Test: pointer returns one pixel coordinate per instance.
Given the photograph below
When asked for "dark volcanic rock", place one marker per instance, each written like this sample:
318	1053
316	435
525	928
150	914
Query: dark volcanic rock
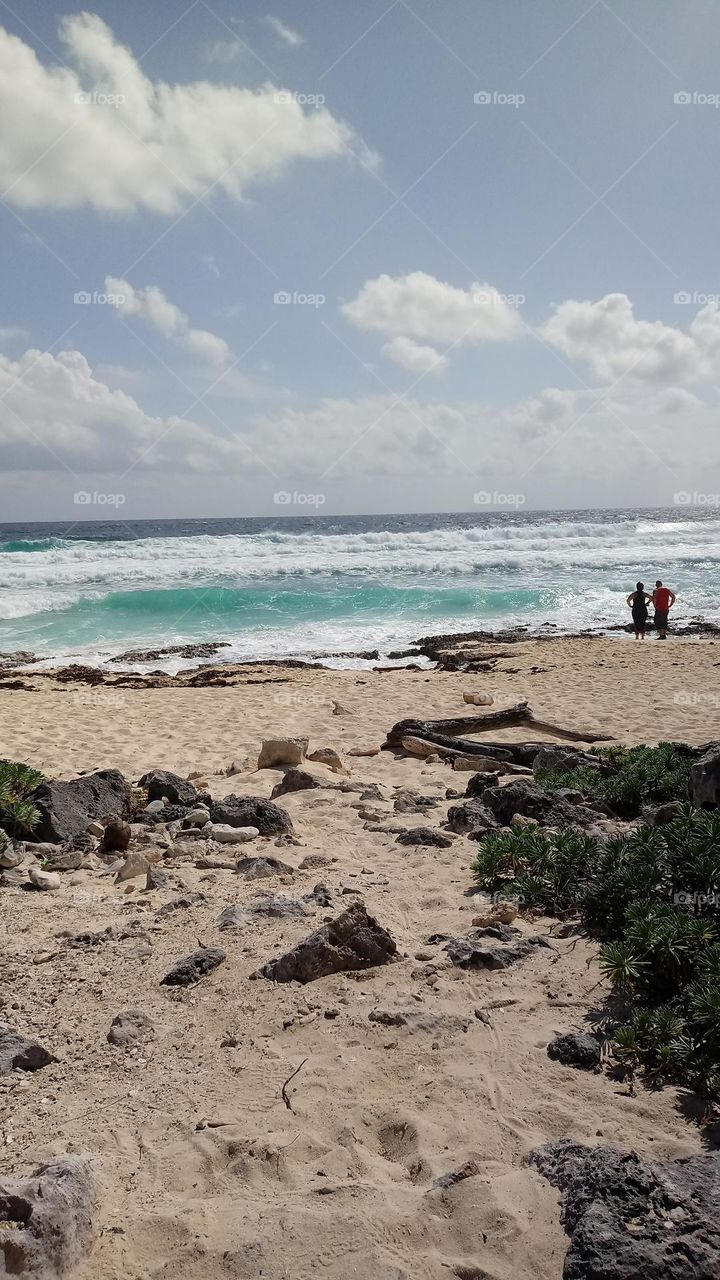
353	941
295	780
180	904
66	808
62	859
470	1169
479	783
425	836
17	1051
194	967
467	953
47	1219
629	1219
161	785
663	814
576	1049
525	797
413	802
251	811
205	649
705	779
470	817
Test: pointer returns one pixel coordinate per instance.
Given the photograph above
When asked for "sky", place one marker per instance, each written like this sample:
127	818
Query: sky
272	258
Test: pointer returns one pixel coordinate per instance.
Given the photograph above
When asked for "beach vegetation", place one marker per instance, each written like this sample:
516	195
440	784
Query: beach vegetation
18	815
629	777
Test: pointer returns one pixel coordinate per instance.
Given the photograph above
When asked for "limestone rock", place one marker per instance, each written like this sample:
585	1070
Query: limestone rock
47	1219
46	880
278	753
130	1028
330	758
231	835
259	868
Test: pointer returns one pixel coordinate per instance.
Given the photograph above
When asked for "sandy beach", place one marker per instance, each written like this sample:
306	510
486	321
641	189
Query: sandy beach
206	1169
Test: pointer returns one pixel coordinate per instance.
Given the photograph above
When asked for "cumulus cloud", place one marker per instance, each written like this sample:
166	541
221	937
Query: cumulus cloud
421	307
102	134
413	356
607	336
284	33
152	306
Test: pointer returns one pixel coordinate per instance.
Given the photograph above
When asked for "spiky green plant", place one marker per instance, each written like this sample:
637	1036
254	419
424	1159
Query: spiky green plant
18	815
629	777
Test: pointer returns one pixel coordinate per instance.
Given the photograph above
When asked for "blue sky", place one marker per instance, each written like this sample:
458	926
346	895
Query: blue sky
494	284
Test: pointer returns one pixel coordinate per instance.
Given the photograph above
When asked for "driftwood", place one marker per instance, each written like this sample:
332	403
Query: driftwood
441	733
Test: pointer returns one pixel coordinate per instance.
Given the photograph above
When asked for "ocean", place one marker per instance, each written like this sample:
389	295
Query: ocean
305	586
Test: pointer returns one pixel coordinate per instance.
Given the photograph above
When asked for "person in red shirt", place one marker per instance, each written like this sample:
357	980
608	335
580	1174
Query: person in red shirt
663	600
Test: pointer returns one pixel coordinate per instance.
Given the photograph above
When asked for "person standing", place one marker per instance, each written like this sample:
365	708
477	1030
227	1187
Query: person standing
663	600
638	601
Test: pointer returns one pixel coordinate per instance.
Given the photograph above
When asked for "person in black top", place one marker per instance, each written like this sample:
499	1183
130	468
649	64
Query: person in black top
638	601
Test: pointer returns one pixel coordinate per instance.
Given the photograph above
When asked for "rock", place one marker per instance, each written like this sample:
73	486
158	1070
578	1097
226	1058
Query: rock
424	836
472	764
467	953
116	836
479	699
67	808
197	818
276	753
551	758
259	868
62	859
276	907
136	864
339	710
47	1226
158	879
96	829
418	746
480	782
629	1218
156	808
354	940
413	802
11	856
192	968
231	835
469	818
320	896
363	751
525	797
576	1049
664	813
294	780
519	820
470	1169
180	904
19	1053
387	1017
162	785
313	860
251	811
130	1028
46	880
501	912
705	779
330	758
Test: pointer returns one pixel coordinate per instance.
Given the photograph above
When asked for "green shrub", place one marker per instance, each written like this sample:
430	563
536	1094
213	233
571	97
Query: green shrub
629	777
18	814
653	898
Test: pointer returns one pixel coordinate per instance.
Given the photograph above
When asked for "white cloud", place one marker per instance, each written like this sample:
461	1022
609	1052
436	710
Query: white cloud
417	306
152	306
411	355
104	135
607	336
285	33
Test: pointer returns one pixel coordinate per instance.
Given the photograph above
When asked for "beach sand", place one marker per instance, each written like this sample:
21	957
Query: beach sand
339	1183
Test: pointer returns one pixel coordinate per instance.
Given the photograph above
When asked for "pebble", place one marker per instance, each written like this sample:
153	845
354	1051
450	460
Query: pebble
43	879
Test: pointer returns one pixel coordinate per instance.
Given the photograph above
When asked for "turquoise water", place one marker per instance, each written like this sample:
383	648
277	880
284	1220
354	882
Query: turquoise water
274	588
